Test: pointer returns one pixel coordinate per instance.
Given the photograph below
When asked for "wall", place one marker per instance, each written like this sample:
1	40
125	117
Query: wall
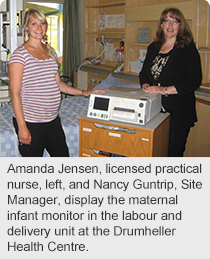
81	26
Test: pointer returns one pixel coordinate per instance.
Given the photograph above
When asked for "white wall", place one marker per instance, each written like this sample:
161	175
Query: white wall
81	26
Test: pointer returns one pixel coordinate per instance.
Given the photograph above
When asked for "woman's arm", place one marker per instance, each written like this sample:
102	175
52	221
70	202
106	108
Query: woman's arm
191	65
67	89
160	89
15	72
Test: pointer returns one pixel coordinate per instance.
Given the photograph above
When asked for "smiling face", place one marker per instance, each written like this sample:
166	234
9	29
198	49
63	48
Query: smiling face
36	28
170	27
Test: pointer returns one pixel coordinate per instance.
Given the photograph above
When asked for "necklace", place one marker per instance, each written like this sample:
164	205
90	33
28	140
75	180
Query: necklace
41	53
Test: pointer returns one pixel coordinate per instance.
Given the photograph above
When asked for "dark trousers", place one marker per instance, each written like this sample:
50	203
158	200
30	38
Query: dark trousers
177	139
49	135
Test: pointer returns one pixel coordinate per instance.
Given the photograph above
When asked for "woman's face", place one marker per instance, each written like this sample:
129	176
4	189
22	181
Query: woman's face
36	28
170	27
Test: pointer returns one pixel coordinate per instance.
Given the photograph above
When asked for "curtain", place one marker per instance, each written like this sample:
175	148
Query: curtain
71	51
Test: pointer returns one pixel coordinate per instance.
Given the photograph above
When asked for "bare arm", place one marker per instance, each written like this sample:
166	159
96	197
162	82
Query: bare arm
67	89
159	89
15	78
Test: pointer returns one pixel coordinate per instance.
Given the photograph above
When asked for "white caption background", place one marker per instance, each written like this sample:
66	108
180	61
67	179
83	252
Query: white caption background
89	215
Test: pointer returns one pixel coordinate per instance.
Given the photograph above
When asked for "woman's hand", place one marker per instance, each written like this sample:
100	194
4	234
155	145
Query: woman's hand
154	89
88	93
24	135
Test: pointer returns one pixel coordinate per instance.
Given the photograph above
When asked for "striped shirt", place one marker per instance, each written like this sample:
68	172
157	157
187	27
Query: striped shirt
40	94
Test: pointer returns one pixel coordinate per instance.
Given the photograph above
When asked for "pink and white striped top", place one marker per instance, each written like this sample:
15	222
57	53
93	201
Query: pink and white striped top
40	92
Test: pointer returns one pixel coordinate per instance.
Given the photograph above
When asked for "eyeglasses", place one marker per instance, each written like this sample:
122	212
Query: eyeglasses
173	22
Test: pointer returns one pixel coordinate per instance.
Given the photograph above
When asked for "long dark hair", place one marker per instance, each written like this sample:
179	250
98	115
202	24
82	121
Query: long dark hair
184	36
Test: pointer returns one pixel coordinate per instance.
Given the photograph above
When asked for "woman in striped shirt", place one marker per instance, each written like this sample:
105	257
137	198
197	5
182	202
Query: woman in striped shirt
35	87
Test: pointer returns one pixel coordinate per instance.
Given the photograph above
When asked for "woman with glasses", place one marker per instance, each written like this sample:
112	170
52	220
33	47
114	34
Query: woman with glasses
172	68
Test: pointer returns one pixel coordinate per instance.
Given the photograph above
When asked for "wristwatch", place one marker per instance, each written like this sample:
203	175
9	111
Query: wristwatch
166	89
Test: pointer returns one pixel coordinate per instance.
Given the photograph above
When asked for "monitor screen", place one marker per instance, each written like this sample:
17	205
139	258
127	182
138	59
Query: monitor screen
101	104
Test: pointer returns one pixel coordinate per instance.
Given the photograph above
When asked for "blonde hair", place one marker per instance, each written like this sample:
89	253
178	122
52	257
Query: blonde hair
184	36
39	15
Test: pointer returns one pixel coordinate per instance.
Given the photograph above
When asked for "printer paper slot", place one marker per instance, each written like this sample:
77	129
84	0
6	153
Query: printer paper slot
124	109
124	113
